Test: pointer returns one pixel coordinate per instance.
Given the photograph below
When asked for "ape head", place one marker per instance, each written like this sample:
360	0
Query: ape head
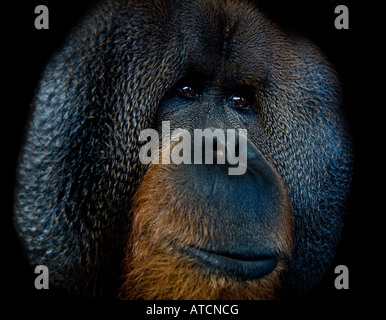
88	208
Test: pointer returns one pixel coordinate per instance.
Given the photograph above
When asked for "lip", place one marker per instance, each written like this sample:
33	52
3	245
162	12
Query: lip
249	266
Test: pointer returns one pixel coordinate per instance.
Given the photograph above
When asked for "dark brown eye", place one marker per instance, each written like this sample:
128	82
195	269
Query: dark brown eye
187	91
238	101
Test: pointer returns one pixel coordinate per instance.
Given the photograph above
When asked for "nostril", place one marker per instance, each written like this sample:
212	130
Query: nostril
219	150
214	144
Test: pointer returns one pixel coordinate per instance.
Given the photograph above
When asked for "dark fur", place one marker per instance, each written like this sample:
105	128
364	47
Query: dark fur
79	167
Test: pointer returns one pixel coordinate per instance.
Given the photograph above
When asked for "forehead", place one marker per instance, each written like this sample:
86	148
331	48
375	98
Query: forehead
226	37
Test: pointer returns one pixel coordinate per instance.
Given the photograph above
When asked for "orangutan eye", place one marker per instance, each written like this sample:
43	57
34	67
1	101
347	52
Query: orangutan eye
238	101
187	91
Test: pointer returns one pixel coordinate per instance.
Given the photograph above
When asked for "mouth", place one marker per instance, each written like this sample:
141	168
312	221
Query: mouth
248	266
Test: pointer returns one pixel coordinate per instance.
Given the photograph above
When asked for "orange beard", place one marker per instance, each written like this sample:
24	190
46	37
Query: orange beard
154	269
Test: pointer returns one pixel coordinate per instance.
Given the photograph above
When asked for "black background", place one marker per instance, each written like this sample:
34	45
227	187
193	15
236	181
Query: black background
355	53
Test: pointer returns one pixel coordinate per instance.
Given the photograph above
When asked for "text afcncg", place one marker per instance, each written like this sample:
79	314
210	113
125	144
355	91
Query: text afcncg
230	147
